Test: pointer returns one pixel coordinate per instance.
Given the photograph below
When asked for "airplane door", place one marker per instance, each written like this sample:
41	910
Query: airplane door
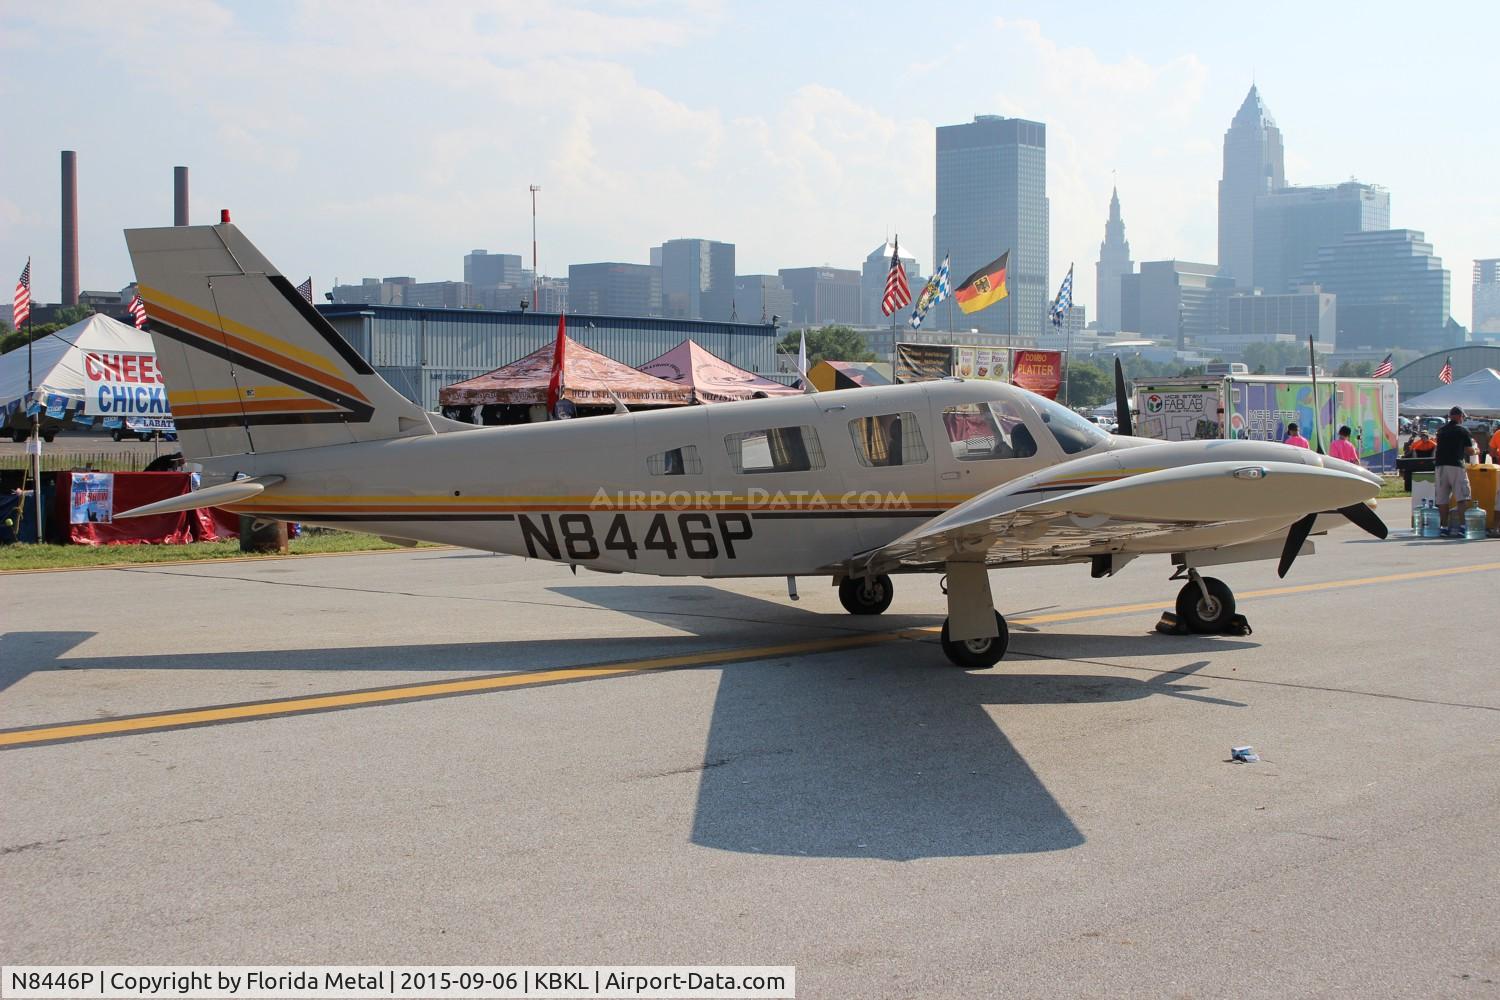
889	472
981	444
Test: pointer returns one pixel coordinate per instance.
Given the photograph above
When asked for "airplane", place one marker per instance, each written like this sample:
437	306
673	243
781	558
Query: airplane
950	476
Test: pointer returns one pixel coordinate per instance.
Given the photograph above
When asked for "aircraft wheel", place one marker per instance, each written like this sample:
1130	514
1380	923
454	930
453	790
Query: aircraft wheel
869	596
977	654
1206	617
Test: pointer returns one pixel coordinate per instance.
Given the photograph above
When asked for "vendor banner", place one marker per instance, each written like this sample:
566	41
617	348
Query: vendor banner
923	362
91	498
1039	371
121	384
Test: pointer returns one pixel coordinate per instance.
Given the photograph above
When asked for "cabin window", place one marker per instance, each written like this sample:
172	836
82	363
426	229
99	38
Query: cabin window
776	449
682	461
1073	433
890	439
984	431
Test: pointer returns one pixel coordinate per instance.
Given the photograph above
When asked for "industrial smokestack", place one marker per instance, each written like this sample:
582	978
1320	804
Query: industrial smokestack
69	227
179	196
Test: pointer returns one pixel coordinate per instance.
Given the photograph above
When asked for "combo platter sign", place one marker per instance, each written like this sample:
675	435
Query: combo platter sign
124	385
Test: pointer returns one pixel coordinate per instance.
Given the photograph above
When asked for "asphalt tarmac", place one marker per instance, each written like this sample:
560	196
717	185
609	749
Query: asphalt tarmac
443	757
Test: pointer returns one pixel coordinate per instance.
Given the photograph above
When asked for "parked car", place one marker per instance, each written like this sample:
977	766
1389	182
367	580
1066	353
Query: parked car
145	430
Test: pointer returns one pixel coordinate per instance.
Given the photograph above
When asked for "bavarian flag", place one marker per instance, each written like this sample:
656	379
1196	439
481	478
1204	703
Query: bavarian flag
984	287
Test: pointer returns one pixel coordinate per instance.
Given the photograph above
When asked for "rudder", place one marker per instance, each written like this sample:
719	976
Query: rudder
249	364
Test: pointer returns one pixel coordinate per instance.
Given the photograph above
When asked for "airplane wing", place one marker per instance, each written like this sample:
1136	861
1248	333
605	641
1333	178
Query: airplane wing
1057	515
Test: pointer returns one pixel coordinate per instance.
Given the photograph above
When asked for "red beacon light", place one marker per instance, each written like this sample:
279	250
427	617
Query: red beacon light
223	216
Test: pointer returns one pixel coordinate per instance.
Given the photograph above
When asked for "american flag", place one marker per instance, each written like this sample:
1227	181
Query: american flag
1384	369
897	290
137	310
1063	304
935	291
1446	375
305	289
21	304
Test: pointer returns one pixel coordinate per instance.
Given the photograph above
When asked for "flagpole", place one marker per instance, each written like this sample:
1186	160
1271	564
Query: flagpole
34	446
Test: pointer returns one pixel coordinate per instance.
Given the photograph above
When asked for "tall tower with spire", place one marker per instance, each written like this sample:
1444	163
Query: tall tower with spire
1253	166
1114	261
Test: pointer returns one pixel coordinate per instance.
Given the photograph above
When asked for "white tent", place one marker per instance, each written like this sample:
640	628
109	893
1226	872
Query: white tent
96	368
1478	393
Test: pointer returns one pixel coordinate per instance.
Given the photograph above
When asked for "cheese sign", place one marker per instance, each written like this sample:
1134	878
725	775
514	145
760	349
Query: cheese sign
127	385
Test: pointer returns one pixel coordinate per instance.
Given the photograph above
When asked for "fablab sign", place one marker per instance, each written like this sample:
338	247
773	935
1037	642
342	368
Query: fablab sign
124	385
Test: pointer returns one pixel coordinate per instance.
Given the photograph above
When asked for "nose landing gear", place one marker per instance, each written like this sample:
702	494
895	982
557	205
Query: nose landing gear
1205	606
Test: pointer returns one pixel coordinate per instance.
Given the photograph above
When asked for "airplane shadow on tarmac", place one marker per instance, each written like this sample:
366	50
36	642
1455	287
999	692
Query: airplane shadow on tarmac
886	751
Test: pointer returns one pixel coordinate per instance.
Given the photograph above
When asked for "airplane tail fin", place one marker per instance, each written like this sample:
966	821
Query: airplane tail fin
250	366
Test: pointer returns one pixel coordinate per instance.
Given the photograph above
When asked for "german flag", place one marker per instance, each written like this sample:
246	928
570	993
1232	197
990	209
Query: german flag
984	287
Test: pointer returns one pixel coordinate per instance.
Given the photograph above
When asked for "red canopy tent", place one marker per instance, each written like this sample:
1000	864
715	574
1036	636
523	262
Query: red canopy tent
588	379
710	377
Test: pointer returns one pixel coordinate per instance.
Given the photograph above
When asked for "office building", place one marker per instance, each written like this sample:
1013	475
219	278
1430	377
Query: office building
697	279
822	295
1251	318
1174	301
615	289
1253	166
1392	292
406	291
873	275
1072	331
1293	223
482	268
1486	318
992	197
1114	263
762	298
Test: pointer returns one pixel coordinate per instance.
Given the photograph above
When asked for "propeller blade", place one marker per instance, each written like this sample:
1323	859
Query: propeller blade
1294	539
1125	426
1362	515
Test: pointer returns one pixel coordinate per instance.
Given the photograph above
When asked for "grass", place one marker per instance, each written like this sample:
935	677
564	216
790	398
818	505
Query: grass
98	461
1393	488
313	542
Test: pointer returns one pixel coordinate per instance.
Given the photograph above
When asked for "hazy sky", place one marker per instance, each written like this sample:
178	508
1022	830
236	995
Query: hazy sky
378	138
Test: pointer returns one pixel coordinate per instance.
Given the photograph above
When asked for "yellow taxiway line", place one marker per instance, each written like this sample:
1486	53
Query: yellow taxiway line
211	715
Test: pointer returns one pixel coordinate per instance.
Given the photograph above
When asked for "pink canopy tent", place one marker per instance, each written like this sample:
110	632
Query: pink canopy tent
588	379
710	378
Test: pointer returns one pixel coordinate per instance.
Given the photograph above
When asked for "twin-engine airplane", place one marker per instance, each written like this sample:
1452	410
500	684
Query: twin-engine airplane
952	476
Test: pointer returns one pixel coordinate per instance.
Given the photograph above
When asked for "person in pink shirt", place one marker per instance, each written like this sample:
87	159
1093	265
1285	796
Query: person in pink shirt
1293	438
1342	447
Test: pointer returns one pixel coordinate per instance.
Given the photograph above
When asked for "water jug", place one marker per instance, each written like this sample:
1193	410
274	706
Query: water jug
1474	521
1416	517
1432	524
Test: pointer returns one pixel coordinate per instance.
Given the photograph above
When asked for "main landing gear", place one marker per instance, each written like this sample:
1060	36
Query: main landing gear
977	654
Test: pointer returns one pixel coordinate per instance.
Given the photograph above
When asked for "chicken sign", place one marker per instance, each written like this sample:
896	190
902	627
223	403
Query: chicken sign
124	385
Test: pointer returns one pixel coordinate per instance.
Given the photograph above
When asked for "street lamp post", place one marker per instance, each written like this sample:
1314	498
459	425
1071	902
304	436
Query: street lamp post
536	277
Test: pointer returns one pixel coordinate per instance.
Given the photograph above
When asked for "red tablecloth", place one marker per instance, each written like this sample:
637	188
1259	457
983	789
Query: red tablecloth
135	489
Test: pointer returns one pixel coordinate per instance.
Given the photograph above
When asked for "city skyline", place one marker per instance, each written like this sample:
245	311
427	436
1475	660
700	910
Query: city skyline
800	153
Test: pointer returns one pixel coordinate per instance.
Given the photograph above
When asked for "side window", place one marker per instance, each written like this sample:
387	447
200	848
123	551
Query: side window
682	461
777	449
983	431
891	439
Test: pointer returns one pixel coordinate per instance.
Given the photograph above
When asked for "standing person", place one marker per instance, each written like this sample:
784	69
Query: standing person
1295	439
1454	445
1342	447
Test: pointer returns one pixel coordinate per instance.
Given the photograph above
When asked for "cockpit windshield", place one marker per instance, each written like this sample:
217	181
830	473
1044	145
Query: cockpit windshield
1073	433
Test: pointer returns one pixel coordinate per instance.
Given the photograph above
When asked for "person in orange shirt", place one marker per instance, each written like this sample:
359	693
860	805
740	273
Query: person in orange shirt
1424	445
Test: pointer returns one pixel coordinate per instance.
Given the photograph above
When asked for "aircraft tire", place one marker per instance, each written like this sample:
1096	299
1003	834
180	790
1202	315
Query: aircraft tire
1206	618
977	654
870	596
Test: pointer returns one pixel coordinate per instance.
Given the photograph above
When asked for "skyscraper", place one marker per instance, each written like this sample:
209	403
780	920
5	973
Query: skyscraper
614	289
1392	292
1293	223
822	295
697	279
762	298
1252	166
1114	261
484	268
992	197
1174	301
1486	317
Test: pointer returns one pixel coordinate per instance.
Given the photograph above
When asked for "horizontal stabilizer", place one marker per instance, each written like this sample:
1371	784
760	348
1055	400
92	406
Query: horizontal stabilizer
215	496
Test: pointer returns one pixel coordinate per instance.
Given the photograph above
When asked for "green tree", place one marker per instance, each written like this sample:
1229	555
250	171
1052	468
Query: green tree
16	339
831	343
1089	384
1355	369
